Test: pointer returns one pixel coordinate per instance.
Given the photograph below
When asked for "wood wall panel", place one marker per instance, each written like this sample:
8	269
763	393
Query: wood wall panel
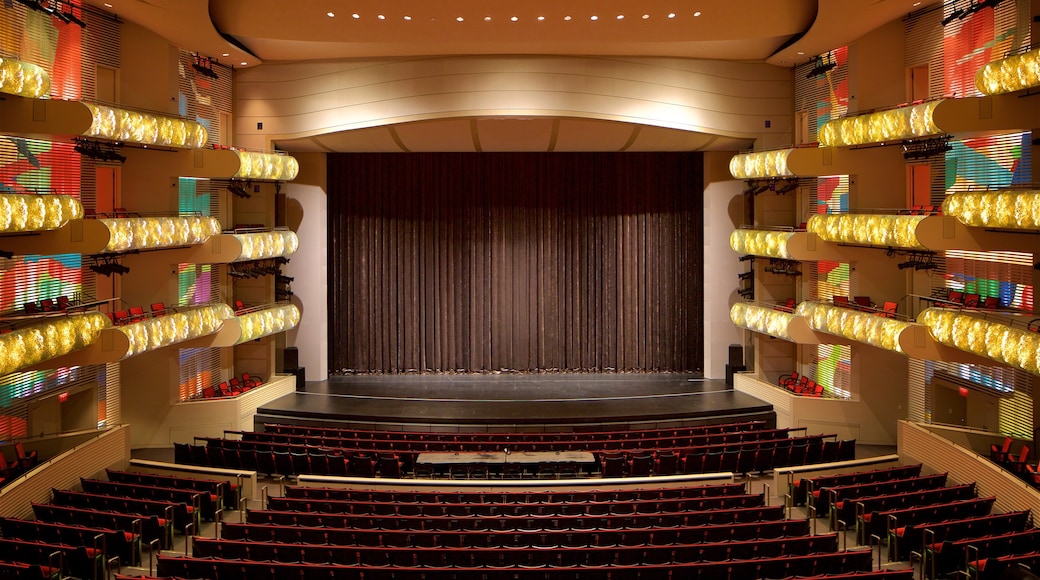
518	261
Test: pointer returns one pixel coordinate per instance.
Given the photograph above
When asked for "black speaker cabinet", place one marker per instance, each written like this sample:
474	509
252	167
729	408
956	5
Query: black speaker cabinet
291	359
736	355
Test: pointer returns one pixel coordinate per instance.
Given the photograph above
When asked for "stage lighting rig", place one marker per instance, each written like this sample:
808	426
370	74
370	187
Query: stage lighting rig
203	65
927	148
954	14
238	190
6	254
783	267
821	65
98	150
107	264
64	10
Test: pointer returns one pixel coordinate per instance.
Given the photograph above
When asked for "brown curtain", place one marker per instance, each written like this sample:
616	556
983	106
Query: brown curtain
515	261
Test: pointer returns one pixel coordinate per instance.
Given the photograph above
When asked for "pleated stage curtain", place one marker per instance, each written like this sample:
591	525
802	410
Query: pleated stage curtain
478	262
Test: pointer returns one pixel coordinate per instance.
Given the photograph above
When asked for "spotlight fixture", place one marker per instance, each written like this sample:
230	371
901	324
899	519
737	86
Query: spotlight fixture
919	261
954	14
108	265
748	293
783	267
821	65
239	190
97	150
926	149
203	65
6	254
64	10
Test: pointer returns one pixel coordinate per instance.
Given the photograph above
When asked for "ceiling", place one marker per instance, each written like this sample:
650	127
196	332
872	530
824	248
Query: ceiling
246	33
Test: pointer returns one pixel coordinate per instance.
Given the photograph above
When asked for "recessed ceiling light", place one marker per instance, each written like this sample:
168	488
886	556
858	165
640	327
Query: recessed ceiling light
330	14
620	16
671	15
697	13
356	15
514	18
487	19
407	17
541	18
107	5
226	54
594	17
801	52
381	17
645	16
459	18
566	17
917	4
244	63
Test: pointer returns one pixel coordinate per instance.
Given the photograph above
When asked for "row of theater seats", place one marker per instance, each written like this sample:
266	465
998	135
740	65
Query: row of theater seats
1016	462
22	462
801	385
80	533
617	436
922	514
47	305
420	443
294	459
231	388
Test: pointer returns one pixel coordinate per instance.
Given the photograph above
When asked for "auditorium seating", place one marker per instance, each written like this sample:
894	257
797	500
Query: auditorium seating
886	523
839	501
930	537
807	489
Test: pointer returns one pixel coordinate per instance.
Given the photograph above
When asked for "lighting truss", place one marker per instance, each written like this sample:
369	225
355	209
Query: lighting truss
821	65
239	189
918	261
108	264
64	10
916	149
204	65
98	150
783	267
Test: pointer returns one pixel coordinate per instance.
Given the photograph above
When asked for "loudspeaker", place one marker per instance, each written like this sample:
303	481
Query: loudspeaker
731	370
736	355
291	359
301	378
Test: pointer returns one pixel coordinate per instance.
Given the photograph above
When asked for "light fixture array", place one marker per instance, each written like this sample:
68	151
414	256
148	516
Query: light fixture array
1007	209
758	318
56	337
263	245
23	79
184	324
145	233
768	243
910	122
266	166
1014	73
760	164
994	339
37	213
144	128
671	16
852	324
896	231
267	321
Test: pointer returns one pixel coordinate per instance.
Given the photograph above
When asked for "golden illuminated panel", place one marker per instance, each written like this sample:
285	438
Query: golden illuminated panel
772	244
899	231
268	321
995	209
158	232
892	125
761	164
852	324
761	319
146	128
262	245
23	79
56	337
267	166
1014	73
36	213
160	331
989	338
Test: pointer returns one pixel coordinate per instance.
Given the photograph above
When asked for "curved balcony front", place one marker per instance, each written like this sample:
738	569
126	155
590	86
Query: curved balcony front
1015	73
51	339
102	236
778	323
893	125
266	166
1000	209
144	128
1005	339
854	325
787	245
37	213
894	231
23	79
241	247
267	320
811	162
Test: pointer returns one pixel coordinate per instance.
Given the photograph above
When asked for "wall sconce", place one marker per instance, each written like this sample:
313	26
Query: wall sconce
898	231
1008	209
266	166
768	243
144	128
35	213
23	79
910	122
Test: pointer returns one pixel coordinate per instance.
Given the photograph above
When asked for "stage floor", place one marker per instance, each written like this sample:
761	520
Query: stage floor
410	401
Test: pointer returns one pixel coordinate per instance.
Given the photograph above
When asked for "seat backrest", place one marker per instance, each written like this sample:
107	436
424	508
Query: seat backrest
992	302
840	300
158	309
971	300
63	302
47	304
122	317
31	307
862	301
955	296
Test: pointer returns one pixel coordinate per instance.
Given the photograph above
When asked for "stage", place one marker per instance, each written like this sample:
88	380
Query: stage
527	402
